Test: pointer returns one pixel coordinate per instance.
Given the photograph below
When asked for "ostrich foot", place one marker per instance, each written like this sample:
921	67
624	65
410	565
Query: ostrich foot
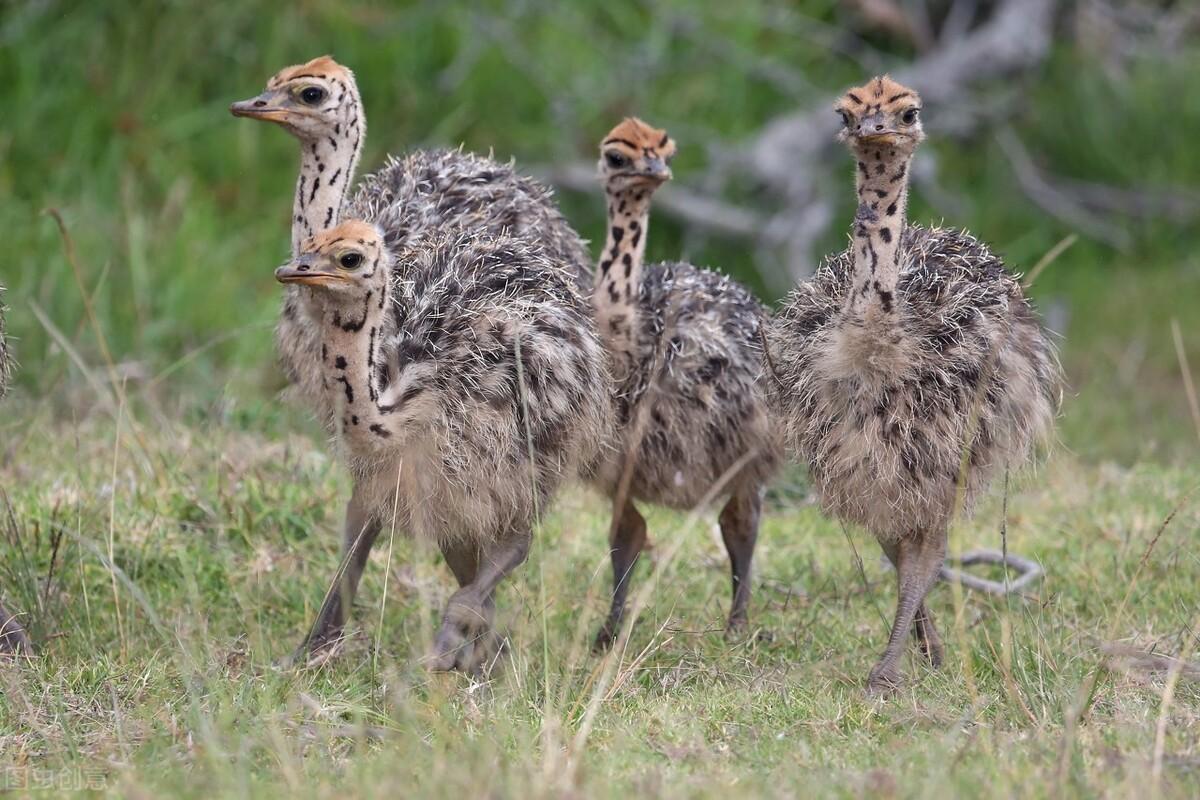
607	634
883	682
465	642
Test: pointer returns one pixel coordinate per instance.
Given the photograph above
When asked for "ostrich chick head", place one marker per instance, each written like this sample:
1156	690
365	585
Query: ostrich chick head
881	112
317	100
635	156
345	265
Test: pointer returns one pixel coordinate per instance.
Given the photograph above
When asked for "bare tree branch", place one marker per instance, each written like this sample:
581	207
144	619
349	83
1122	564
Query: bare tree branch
676	201
788	155
1053	200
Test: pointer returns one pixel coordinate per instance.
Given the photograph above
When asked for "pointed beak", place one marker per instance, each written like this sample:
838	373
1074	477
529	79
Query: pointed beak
259	108
657	169
873	127
305	271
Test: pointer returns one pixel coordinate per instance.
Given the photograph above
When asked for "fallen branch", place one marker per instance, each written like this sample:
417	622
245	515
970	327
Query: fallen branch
679	202
1131	659
789	155
1055	201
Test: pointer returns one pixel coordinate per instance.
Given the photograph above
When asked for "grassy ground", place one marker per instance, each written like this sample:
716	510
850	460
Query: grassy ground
161	675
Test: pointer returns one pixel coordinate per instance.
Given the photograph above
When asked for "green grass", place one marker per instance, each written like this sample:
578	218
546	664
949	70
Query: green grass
220	506
163	677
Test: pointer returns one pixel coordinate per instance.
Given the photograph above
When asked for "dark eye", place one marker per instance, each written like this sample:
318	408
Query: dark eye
350	260
311	95
910	116
845	118
616	160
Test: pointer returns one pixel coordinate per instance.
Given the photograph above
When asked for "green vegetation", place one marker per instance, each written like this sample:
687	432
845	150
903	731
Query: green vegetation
170	546
162	678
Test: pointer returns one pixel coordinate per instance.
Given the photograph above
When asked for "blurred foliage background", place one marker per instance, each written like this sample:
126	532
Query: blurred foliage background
115	113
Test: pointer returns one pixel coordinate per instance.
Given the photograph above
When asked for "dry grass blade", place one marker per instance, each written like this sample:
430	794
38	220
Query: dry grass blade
1050	257
1126	658
1160	733
1186	371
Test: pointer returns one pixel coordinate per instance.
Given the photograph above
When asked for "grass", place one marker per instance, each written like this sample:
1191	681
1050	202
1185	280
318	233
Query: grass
163	677
170	540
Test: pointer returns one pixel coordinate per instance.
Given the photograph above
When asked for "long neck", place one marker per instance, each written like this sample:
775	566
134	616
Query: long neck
619	274
351	339
326	170
882	179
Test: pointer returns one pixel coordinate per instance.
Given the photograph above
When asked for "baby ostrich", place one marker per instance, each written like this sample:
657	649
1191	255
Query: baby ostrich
410	198
685	352
909	370
468	386
423	197
12	634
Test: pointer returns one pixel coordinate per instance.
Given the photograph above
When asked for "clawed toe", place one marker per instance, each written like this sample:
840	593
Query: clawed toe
465	641
933	654
882	684
606	636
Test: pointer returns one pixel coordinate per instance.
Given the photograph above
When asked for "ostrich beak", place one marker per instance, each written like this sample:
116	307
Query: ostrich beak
657	169
873	127
259	108
306	272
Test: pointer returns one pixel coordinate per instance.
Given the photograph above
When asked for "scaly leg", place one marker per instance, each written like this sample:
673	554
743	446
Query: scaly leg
739	528
924	629
462	642
358	535
628	541
919	558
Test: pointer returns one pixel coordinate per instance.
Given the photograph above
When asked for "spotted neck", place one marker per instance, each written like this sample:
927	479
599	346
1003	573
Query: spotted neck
326	169
882	179
351	340
619	275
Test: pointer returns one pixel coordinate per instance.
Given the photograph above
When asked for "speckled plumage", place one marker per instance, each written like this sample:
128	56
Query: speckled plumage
467	383
909	371
424	195
423	198
430	190
685	353
884	413
446	357
694	393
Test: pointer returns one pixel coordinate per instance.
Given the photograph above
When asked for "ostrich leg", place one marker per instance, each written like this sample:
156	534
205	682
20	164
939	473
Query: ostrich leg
462	642
359	534
919	560
627	543
739	528
924	630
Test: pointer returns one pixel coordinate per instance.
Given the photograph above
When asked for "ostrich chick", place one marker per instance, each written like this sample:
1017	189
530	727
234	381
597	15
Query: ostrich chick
467	386
12	635
425	193
685	352
909	370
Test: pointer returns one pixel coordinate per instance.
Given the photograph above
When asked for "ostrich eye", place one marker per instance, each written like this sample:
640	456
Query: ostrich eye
351	260
616	160
670	157
311	95
910	116
845	118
